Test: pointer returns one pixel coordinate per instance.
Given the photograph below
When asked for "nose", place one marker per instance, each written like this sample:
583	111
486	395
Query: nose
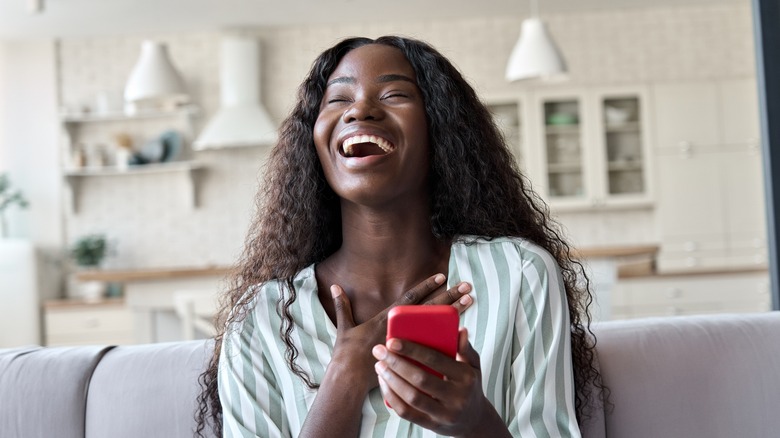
363	109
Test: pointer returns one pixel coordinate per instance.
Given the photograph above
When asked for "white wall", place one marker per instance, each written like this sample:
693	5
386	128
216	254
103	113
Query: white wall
153	229
29	153
29	135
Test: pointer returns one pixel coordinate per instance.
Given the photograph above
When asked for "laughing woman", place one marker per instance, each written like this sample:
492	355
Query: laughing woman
391	185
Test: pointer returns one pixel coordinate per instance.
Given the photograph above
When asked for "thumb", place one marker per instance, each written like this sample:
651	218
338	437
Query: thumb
466	352
344	319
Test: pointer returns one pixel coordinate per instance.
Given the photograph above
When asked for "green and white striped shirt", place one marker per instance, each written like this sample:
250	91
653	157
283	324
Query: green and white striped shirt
519	324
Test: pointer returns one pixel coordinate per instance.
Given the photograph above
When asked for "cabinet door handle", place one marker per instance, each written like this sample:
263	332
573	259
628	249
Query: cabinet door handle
686	148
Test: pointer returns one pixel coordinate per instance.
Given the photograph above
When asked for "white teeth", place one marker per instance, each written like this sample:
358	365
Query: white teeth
379	141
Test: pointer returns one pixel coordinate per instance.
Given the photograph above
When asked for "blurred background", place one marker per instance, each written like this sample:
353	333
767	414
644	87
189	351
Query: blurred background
133	135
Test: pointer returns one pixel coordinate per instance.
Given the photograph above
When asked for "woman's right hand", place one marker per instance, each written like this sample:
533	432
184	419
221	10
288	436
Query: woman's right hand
352	351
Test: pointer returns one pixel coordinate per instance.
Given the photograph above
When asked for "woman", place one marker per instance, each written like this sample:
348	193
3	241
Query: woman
390	179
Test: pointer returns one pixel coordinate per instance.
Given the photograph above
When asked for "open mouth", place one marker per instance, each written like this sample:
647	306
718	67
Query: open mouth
366	145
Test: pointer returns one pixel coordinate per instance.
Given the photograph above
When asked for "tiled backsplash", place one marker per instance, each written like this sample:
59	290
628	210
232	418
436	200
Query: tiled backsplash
148	216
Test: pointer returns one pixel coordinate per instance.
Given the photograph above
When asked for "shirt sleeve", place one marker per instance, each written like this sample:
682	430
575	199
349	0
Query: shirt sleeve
541	397
252	404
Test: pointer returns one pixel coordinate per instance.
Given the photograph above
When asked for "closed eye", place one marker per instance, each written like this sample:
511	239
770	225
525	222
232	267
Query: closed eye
337	99
395	96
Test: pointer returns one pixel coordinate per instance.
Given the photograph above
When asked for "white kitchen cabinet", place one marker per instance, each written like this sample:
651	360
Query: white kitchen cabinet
705	114
739	112
690	212
737	292
745	215
686	115
593	147
710	210
507	113
690	200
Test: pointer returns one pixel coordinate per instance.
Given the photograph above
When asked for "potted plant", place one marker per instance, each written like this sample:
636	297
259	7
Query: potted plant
88	252
8	198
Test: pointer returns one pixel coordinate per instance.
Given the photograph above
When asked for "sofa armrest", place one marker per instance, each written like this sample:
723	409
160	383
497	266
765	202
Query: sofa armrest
44	390
697	376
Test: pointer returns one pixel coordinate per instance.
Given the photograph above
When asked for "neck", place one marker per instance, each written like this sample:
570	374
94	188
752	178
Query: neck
389	250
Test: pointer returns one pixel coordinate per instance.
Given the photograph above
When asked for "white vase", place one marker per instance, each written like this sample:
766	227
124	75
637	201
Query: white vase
89	290
92	290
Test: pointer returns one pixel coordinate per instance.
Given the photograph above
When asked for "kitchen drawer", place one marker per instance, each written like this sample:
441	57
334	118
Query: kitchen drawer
749	258
696	260
88	324
667	295
103	338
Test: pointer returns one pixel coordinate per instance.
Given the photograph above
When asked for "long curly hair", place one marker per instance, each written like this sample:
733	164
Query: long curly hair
475	189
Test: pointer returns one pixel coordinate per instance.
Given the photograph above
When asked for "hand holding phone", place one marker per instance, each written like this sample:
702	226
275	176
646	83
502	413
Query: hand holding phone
435	326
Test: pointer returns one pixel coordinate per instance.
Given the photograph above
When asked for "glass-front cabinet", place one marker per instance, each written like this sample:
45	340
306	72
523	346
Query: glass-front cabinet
563	148
508	117
624	145
593	148
582	149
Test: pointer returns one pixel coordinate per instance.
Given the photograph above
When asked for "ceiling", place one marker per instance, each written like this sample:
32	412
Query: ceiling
105	17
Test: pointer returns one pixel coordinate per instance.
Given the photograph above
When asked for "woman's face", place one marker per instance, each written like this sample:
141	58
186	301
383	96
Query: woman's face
371	133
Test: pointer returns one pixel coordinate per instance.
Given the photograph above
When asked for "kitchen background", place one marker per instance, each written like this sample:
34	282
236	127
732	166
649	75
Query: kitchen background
693	67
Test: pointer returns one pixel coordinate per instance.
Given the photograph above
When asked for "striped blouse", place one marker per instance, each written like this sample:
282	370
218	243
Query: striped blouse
519	323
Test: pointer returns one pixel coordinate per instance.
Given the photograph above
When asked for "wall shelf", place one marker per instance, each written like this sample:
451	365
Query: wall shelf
191	169
188	110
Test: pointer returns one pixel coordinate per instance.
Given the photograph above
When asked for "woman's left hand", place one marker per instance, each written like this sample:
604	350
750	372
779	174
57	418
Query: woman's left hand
453	406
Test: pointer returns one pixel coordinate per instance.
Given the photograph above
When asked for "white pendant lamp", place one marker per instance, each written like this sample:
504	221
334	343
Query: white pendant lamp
535	55
154	81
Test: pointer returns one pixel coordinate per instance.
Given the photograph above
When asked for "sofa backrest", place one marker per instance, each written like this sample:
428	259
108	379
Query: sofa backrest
147	391
701	376
708	376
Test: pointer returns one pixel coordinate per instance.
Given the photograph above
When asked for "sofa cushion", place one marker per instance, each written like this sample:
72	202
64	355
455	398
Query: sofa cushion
147	390
706	376
44	390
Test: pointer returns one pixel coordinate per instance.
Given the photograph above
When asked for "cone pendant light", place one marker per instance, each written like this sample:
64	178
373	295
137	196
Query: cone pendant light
535	55
154	80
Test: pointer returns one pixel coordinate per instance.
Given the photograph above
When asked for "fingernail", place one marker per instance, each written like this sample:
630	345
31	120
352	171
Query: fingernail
465	299
380	367
464	288
394	344
335	291
379	352
439	278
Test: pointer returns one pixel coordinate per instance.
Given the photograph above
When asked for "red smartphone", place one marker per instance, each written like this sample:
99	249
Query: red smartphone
435	326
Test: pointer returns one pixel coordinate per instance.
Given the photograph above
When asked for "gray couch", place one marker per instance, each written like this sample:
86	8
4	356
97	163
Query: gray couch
712	376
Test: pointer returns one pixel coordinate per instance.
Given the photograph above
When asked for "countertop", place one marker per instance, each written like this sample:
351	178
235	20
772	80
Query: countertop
133	275
129	275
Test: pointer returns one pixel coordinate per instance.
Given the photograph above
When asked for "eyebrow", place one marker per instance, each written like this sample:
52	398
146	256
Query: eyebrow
380	79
